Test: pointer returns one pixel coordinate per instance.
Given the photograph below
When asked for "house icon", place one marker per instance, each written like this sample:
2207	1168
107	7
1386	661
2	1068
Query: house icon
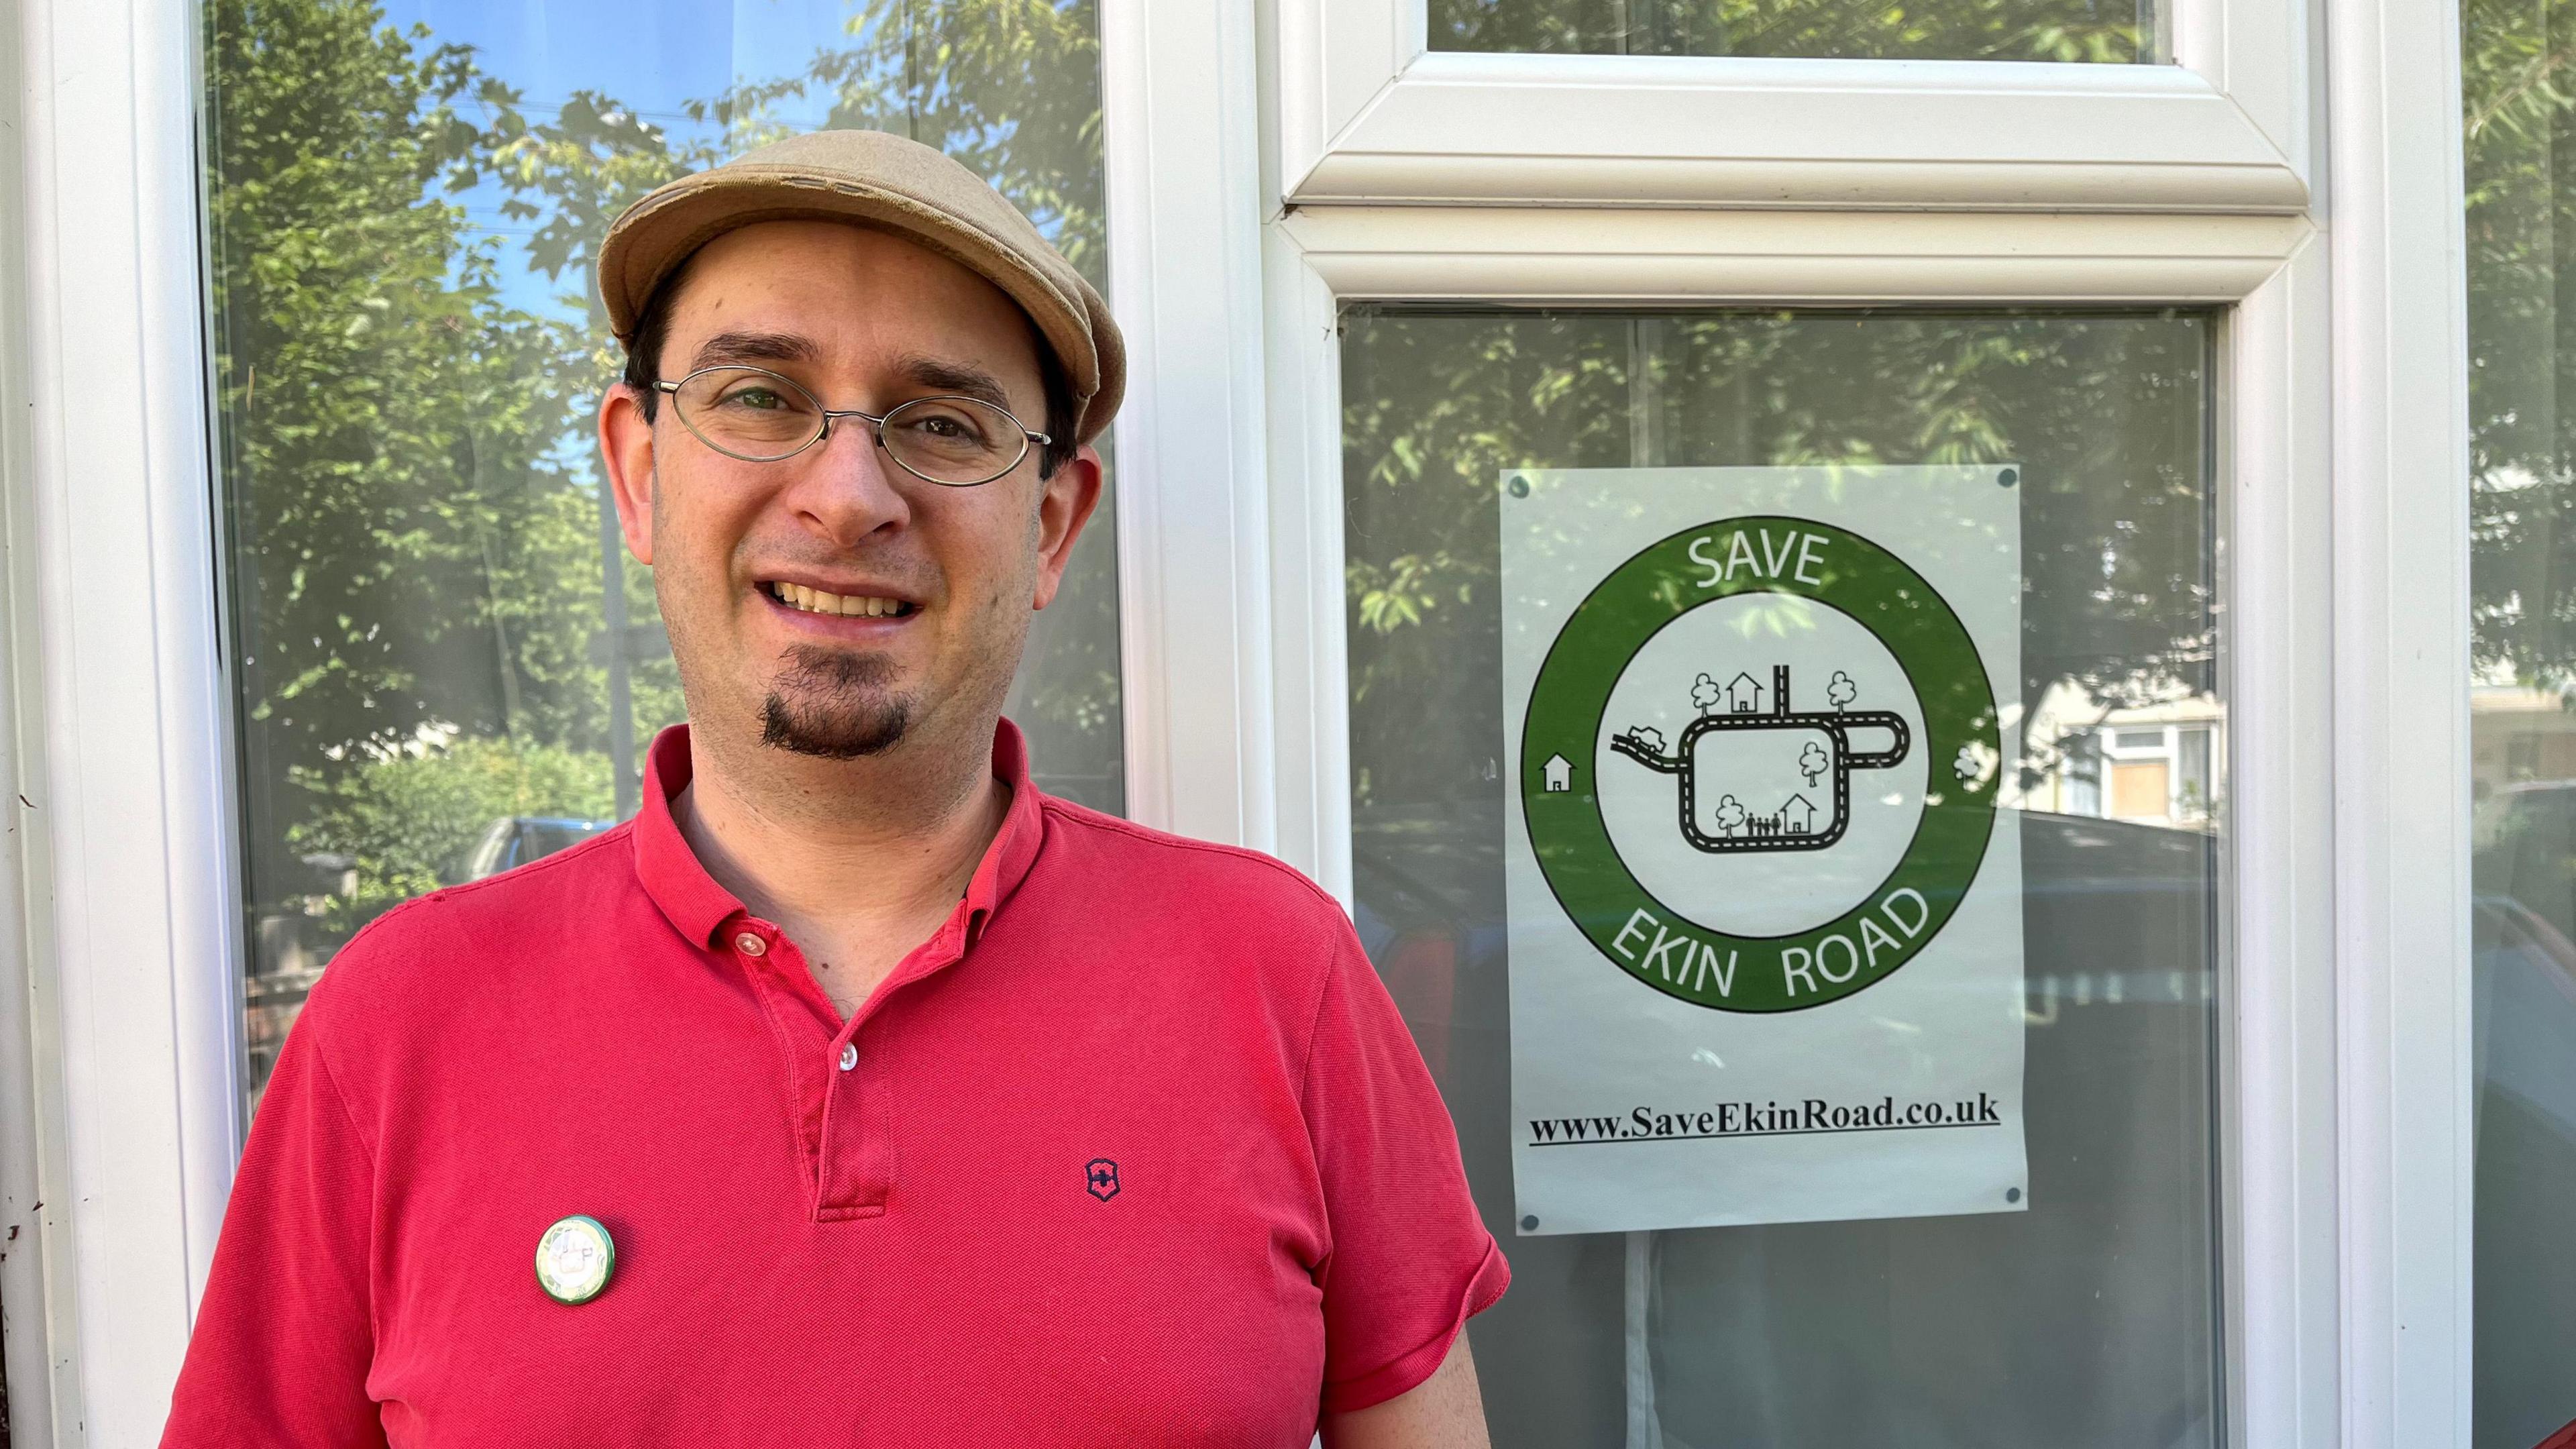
1798	816
1743	696
1560	775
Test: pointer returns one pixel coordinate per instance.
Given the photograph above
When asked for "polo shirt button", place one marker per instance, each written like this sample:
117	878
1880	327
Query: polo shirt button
849	1055
750	944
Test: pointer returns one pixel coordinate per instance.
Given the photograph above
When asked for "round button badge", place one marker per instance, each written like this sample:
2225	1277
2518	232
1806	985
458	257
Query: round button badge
574	1259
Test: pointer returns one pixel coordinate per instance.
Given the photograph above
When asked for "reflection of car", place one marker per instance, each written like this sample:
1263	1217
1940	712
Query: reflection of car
2522	918
518	839
2525	838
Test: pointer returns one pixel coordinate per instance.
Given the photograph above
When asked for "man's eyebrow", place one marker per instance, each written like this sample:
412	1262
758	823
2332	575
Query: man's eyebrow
959	379
753	347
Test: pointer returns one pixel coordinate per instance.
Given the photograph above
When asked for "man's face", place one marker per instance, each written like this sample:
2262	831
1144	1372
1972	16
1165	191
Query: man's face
935	584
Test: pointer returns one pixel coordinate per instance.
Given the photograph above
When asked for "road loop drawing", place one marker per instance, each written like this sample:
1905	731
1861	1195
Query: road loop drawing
1758	760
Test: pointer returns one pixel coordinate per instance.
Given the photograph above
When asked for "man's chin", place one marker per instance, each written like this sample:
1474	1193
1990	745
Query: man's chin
835	730
834	706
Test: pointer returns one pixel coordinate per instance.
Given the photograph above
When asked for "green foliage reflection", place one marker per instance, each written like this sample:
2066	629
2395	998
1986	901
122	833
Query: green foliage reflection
2094	31
2519	122
417	555
2104	414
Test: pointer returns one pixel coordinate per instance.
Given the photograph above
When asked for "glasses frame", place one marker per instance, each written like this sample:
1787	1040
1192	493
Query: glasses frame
876	424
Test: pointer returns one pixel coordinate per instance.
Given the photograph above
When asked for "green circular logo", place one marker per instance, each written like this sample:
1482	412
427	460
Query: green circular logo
1826	759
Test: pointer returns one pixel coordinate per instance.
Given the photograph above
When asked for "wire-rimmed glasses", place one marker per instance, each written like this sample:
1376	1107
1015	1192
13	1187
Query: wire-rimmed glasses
761	416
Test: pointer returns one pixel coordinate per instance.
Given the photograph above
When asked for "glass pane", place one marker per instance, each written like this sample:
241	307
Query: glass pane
2521	171
2098	31
446	663
2091	1318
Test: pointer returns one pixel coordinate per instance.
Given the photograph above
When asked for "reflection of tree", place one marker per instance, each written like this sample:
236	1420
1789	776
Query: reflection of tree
2105	414
411	550
2518	84
2519	96
414	521
2063	30
406	823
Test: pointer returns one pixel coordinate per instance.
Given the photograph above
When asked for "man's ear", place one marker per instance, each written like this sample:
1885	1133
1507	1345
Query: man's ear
1065	505
626	451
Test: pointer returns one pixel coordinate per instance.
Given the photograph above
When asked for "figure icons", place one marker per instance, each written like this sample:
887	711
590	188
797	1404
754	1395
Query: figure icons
1754	763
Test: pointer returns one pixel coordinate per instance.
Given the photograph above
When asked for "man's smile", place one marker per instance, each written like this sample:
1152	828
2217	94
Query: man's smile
819	603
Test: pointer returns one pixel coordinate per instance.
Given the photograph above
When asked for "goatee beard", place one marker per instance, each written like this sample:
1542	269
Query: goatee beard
840	710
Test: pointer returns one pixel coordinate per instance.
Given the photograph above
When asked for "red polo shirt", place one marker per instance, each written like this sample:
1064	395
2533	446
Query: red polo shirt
1133	1151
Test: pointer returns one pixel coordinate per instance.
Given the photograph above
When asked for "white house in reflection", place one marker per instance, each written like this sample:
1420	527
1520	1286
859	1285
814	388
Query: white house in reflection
2519	734
2160	763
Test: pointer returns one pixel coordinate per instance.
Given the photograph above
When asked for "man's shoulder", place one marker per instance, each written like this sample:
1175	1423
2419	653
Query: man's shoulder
433	940
1115	861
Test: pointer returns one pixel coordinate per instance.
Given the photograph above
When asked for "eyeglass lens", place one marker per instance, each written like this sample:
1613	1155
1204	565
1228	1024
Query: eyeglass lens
760	416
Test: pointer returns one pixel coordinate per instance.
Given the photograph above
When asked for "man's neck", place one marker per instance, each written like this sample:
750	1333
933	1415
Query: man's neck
858	861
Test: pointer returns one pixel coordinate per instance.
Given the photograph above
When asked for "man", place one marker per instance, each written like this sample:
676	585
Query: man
899	1103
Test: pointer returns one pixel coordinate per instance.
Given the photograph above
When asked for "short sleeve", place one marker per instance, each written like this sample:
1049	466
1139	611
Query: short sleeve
1410	1260
283	1339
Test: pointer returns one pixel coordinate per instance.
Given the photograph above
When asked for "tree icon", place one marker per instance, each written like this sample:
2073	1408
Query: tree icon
1840	690
1813	762
1704	693
1730	814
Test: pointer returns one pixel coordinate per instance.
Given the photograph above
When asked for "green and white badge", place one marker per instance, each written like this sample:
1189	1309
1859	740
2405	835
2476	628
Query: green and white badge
1758	720
574	1259
1756	769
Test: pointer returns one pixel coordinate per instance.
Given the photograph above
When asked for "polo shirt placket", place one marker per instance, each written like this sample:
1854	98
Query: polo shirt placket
841	1097
846	1156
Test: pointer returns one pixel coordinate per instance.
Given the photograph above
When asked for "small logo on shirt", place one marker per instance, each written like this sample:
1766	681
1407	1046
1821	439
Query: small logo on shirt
1100	1176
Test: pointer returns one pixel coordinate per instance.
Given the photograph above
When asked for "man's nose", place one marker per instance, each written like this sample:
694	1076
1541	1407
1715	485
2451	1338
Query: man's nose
845	488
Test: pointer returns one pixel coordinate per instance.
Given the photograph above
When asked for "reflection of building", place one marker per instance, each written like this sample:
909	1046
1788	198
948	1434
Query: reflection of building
2519	734
2161	763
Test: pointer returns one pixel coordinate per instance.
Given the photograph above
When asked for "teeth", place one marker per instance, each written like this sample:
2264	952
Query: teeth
848	606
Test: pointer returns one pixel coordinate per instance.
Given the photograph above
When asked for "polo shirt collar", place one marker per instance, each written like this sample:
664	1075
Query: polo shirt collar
698	907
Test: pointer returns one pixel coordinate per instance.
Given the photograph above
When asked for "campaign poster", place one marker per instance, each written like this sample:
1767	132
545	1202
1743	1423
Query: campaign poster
1765	915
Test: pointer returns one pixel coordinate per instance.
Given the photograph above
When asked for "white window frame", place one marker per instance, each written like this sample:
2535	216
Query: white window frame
2270	272
121	893
1367	113
1392	174
1265	165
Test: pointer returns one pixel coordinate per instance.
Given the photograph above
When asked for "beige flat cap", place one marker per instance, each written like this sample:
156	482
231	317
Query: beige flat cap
897	185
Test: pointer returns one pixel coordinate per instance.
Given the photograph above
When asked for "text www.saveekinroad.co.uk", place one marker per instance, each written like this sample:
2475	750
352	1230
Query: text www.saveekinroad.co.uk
1764	1119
